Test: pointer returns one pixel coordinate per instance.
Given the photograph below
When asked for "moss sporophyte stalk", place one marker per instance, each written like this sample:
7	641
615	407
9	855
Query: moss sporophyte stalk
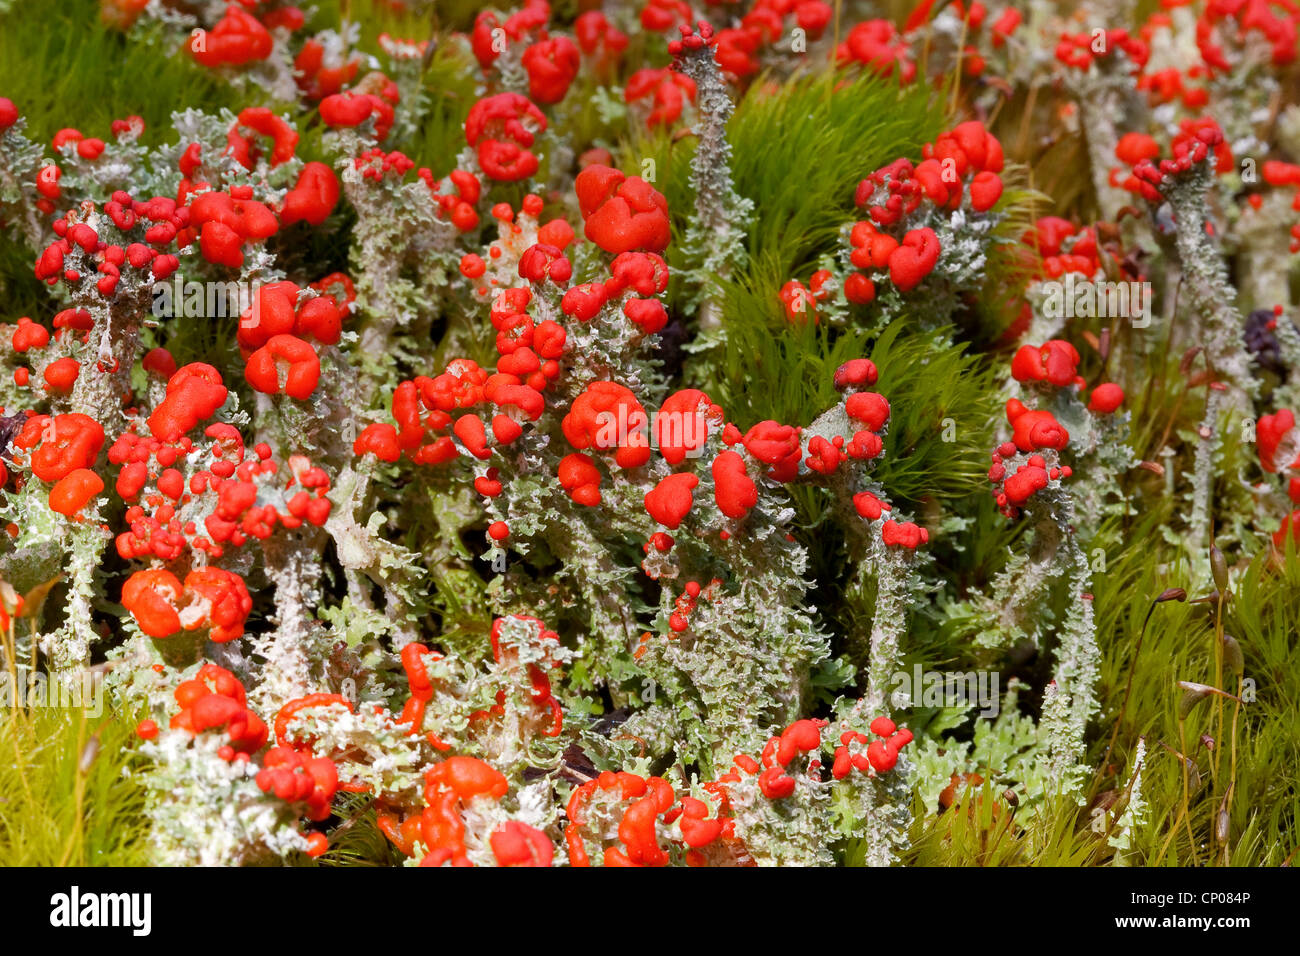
649	434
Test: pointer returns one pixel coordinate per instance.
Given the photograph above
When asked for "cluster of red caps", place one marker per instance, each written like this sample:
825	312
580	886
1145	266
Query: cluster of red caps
1276	22
60	374
542	260
1055	363
960	165
318	78
539	700
221	221
600	41
1060	246
62	449
89	148
880	755
429	431
805	737
502	129
110	258
1196	141
214	700
667	89
526	24
1079	50
211	599
353	107
551	62
1277	173
1025	465
648	799
624	215
235	482
238	38
450	787
975	18
879	47
276	333
799	301
738	50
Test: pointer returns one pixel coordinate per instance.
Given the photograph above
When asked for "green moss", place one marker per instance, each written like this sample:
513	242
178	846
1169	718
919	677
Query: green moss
66	794
1179	645
64	68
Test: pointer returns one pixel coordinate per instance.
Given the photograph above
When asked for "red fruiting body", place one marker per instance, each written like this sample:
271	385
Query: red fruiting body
517	844
552	65
499	128
777	445
868	505
540	262
1270	433
906	534
584	302
152	598
855	372
915	256
313	197
1290	531
1106	398
859	290
869	408
671	500
353	108
378	440
284	364
194	393
225	600
74	491
1024	483
621	213
668	89
1055	362
62	444
160	362
681	427
225	223
237	39
61	375
580	478
1034	430
215	700
316	79
263	122
296	778
649	314
877	45
29	335
608	416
